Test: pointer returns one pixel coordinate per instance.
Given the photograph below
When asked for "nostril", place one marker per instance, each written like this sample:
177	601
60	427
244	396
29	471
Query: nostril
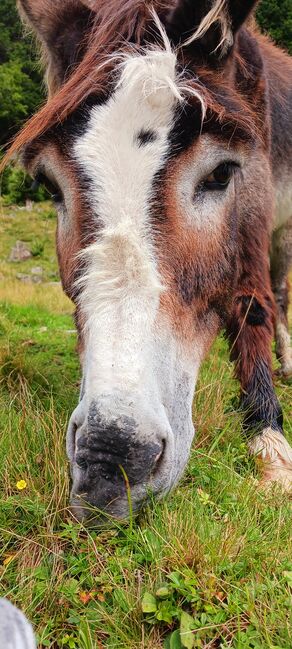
73	432
81	462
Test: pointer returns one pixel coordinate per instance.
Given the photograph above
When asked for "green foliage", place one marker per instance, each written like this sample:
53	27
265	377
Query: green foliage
37	248
20	78
275	17
16	187
19	97
21	93
4	180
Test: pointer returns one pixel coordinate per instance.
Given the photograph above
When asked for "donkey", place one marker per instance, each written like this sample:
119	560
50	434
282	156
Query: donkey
166	146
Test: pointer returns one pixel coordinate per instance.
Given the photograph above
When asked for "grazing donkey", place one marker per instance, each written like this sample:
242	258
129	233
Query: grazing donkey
166	145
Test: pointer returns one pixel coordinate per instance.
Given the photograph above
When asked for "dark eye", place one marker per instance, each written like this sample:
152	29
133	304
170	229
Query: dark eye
52	188
220	178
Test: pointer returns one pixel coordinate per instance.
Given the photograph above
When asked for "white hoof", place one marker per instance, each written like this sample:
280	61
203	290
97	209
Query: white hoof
274	456
286	370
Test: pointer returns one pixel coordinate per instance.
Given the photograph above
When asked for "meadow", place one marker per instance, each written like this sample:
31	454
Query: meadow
209	567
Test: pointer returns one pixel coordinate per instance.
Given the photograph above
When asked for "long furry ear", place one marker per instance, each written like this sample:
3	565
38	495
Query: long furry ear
61	27
209	26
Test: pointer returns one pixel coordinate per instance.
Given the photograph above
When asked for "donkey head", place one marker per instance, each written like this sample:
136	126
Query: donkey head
144	145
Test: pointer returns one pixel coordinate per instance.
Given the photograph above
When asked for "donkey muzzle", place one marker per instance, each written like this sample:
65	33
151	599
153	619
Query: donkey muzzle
113	464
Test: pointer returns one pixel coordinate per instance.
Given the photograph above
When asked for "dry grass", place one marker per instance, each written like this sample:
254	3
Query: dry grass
51	298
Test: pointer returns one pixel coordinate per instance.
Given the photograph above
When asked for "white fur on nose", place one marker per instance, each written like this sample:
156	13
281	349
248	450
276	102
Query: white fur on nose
116	269
121	285
125	350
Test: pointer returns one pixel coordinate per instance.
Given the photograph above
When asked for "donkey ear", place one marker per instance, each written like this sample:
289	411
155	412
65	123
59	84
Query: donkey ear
61	27
209	26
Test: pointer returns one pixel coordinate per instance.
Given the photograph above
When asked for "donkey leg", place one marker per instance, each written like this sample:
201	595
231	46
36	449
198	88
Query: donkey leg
283	341
281	262
250	332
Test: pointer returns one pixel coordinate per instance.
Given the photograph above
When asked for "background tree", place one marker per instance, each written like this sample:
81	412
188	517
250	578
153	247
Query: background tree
275	18
21	86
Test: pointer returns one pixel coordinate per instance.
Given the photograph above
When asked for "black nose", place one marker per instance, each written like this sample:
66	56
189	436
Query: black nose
109	457
112	451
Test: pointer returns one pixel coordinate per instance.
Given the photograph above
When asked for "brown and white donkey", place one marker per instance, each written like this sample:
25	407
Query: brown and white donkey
166	143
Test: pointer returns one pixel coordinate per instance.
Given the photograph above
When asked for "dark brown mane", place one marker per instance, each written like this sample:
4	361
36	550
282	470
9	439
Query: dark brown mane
118	26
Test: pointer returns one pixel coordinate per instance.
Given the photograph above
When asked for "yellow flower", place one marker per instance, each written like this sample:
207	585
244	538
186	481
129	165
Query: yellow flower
21	484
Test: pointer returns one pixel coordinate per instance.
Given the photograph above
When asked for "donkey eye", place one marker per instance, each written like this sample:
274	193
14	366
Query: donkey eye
220	178
52	188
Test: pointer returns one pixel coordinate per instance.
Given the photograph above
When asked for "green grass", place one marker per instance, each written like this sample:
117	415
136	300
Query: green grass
209	567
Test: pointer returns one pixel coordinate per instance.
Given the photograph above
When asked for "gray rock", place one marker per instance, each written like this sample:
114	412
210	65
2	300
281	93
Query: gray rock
28	279
24	278
37	270
20	252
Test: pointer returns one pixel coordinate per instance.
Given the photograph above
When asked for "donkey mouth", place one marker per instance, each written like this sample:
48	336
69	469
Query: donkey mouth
100	494
114	508
107	486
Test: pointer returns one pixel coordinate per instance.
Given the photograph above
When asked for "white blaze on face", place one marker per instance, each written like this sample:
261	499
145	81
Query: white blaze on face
121	289
133	365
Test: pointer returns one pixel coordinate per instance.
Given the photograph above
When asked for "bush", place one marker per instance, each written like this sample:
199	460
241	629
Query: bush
16	187
275	18
4	181
21	87
37	248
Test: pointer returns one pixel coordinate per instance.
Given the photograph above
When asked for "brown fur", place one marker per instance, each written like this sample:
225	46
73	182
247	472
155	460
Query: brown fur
117	23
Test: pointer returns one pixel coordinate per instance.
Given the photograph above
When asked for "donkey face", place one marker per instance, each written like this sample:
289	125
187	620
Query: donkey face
144	178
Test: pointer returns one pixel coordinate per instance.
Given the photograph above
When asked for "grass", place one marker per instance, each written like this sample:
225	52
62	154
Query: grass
209	567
